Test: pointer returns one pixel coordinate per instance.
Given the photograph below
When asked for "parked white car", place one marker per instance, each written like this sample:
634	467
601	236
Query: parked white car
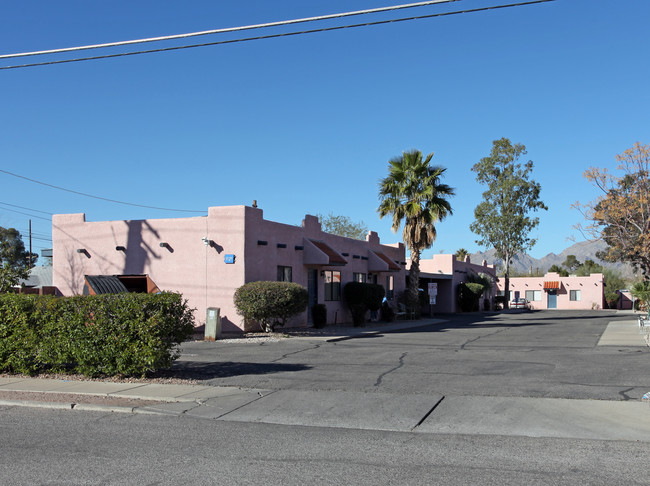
519	303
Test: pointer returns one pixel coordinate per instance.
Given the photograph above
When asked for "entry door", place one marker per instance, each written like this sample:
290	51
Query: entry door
552	299
312	289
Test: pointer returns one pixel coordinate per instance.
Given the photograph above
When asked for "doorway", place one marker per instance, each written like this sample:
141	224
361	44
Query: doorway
312	290
552	299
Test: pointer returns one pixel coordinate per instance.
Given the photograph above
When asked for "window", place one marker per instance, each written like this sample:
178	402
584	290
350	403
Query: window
533	295
574	295
389	287
332	285
359	277
284	274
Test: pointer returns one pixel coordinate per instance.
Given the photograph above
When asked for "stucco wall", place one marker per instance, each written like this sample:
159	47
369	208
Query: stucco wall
262	260
591	290
184	265
452	272
199	271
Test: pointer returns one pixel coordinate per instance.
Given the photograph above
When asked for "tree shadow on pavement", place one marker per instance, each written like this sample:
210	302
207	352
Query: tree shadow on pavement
195	370
518	319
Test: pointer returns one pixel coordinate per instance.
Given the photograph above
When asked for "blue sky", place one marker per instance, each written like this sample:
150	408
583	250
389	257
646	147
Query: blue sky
307	124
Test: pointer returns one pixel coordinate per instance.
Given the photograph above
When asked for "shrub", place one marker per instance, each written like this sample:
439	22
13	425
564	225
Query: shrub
641	291
319	315
124	334
270	303
469	294
611	299
361	297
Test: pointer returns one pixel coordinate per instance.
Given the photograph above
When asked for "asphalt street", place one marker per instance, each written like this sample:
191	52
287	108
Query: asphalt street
56	447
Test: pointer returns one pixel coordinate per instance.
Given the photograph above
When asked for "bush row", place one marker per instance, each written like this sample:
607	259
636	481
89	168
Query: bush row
101	335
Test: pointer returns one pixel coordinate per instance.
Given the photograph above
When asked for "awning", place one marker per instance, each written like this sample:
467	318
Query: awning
552	284
103	284
319	253
378	262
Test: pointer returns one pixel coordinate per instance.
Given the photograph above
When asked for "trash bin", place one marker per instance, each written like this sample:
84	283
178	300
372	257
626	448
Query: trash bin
212	324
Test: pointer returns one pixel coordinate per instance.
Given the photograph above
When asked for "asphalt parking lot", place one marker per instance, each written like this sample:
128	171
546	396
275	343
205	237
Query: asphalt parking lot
539	354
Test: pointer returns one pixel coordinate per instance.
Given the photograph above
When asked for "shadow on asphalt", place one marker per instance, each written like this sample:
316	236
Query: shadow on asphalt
195	370
525	318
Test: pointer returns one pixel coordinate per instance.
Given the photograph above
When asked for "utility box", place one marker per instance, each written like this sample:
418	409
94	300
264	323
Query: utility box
212	324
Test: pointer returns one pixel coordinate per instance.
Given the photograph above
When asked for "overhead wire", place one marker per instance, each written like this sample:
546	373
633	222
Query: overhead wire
27	214
99	197
279	35
229	29
23	207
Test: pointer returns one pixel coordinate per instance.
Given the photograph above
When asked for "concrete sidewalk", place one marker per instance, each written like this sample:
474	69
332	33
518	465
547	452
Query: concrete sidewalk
509	416
622	333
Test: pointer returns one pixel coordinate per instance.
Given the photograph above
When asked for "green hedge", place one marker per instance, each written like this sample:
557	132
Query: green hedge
270	303
100	335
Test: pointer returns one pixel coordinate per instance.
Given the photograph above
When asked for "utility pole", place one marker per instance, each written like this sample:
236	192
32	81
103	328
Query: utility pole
30	243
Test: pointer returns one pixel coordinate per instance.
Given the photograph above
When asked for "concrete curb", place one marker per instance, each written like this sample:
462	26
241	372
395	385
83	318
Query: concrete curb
84	407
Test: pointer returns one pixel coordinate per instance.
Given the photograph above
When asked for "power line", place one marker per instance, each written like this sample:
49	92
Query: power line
27	214
229	29
23	207
97	197
34	233
39	236
273	36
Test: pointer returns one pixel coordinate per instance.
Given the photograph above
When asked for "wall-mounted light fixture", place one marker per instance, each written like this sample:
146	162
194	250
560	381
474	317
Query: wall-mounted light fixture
120	248
83	251
164	244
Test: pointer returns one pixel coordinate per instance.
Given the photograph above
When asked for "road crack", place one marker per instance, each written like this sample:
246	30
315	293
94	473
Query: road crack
401	363
462	346
285	356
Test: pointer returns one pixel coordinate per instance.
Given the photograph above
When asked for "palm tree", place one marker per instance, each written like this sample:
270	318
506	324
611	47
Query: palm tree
413	194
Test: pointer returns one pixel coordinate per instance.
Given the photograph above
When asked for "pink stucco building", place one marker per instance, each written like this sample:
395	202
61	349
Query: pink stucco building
207	258
555	292
446	271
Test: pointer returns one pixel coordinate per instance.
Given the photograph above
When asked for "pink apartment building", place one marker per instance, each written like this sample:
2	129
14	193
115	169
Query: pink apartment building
446	271
555	292
207	258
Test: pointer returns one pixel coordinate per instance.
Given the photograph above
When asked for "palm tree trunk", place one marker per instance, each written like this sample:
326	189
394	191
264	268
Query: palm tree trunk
414	282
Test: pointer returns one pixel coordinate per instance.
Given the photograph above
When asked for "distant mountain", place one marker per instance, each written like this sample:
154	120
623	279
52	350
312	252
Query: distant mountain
524	264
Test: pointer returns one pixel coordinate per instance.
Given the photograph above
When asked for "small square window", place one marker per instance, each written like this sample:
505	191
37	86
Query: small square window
574	295
359	277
